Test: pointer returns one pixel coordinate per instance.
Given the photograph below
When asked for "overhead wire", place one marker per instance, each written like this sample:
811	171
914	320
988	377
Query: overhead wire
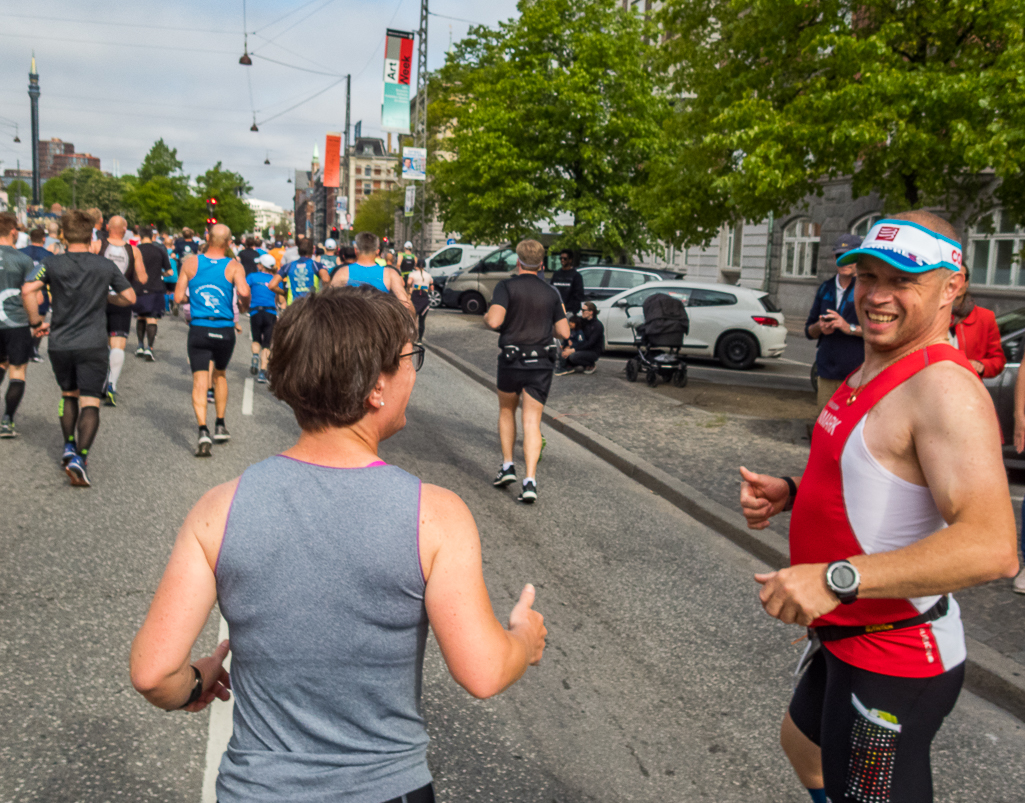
117	44
107	23
290	27
301	102
294	66
457	19
284	16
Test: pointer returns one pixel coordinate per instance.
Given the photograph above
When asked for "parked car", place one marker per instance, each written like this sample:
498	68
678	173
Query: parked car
450	259
605	281
471	289
1001	386
735	325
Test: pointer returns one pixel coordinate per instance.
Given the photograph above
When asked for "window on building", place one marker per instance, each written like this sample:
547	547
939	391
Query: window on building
995	244
366	170
801	247
734	245
366	188
861	226
377	185
377	171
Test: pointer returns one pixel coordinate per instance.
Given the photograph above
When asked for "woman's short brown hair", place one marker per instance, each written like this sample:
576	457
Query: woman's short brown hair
330	347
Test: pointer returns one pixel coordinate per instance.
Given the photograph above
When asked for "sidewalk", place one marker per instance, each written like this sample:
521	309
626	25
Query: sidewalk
701	434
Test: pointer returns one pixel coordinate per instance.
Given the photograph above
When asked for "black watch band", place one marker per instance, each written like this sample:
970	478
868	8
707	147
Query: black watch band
197	689
793	493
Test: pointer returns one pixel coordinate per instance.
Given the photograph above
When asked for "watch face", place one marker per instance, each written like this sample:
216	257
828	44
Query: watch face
842	576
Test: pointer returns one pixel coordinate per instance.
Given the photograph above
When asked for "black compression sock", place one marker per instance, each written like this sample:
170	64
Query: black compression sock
151	333
15	390
140	330
88	423
68	412
204	430
2	372
219	422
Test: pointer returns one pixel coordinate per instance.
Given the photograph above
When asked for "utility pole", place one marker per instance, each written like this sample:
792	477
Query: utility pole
420	129
33	93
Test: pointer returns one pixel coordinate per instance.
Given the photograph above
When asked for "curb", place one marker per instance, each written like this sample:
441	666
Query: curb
988	673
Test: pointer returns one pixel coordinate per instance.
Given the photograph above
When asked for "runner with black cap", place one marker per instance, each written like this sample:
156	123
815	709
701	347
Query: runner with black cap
904	499
528	313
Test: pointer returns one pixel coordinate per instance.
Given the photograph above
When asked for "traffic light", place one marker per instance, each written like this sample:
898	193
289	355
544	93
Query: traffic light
211	211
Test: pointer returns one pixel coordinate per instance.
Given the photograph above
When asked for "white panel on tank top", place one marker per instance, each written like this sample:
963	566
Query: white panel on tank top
118	254
887	513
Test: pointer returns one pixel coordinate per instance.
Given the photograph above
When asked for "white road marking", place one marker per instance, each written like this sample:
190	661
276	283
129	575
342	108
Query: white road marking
220	728
247	397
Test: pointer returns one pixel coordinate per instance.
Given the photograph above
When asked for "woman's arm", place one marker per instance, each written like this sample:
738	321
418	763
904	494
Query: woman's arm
482	656
160	660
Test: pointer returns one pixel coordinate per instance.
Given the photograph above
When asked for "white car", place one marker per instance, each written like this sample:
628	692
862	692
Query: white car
457	256
736	325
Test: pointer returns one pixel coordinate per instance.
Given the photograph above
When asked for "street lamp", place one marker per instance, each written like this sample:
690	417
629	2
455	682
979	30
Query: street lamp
16	137
253	126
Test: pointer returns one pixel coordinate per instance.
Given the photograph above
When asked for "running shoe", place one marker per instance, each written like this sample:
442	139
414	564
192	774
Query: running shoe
590	369
110	396
69	452
221	434
75	470
254	365
261	378
149	356
210	396
566	371
1019	583
7	428
141	351
505	477
36	356
204	444
529	493
541	454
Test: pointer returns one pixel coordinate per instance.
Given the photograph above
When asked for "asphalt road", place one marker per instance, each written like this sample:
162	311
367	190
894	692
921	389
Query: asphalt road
663	680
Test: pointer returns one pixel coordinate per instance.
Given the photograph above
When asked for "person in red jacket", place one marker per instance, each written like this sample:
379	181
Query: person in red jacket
974	331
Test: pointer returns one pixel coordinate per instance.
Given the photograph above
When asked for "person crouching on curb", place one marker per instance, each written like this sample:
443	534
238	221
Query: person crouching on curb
581	354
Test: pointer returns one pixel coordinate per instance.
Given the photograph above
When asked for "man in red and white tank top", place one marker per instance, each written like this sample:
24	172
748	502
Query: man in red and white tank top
904	500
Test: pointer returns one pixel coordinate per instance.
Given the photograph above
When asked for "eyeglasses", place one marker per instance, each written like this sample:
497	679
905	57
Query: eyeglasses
418	357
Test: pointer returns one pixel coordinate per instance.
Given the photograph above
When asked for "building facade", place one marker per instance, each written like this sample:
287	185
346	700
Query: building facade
56	155
266	213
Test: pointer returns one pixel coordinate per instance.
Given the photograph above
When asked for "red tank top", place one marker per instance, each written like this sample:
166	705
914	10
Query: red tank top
820	531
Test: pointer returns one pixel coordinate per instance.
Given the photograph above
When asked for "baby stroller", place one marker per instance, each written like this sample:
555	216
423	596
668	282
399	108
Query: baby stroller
659	340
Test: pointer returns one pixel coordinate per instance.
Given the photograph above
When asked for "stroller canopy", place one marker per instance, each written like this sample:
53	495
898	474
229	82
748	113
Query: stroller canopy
665	320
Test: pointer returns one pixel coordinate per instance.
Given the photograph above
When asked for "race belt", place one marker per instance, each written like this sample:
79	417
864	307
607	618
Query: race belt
530	356
837	632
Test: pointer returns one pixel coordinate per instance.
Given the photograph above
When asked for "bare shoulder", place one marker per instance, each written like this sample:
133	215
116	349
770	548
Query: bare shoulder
441	506
189	264
446	527
209	516
946	384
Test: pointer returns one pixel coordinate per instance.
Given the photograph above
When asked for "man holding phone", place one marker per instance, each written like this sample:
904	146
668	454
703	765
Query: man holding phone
834	322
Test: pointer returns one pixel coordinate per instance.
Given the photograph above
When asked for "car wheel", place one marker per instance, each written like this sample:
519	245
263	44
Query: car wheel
632	369
679	378
434	297
472	304
815	377
737	350
652	379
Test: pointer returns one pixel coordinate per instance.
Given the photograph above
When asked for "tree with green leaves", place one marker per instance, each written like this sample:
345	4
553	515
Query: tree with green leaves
376	212
228	188
919	101
555	112
15	190
160	194
85	187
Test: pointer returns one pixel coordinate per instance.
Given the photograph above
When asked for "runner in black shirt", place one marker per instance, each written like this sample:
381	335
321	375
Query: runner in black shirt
149	306
248	256
569	282
79	284
529	314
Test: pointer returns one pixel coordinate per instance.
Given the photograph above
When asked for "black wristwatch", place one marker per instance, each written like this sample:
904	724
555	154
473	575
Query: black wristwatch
197	689
792	487
843	579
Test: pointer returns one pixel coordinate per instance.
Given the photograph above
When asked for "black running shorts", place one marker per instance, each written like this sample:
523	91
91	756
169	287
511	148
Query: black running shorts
875	730
150	305
210	343
536	382
16	345
119	320
84	370
261	326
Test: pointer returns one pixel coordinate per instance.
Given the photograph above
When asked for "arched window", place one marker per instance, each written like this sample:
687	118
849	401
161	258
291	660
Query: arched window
995	246
862	226
801	247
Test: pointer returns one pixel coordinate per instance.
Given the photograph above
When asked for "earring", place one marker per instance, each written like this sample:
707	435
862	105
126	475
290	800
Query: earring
382	404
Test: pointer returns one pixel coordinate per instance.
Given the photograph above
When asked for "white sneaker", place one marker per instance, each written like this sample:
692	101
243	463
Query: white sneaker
1019	583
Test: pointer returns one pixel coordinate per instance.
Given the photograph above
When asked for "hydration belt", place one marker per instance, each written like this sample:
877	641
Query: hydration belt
530	356
837	632
264	309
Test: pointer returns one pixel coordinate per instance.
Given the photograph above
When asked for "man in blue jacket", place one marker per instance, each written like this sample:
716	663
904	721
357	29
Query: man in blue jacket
834	322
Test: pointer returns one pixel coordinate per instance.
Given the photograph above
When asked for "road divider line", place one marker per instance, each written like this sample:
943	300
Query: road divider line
247	397
988	673
220	728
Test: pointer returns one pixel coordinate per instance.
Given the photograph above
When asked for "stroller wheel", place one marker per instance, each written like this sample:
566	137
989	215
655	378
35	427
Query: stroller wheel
632	369
679	378
652	378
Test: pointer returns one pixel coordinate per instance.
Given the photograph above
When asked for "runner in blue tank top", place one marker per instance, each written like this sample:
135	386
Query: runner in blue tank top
263	314
305	275
365	271
212	280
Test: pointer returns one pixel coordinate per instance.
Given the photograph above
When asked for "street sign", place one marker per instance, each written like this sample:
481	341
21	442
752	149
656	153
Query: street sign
410	199
450	241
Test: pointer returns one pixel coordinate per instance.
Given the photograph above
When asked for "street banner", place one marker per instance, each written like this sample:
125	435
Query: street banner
414	164
332	159
358	131
398	68
410	199
342	204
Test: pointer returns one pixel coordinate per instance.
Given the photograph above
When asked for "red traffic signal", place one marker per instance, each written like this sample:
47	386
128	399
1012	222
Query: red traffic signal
212	201
211	221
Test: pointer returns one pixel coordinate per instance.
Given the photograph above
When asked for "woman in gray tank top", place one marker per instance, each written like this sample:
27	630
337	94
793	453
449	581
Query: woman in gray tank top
328	584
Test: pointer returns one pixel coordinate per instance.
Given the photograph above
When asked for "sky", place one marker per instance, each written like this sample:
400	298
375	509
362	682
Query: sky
113	82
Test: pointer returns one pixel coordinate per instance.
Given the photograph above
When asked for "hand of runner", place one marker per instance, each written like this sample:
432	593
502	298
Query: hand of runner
42	330
798	594
1019	433
216	682
529	624
761	498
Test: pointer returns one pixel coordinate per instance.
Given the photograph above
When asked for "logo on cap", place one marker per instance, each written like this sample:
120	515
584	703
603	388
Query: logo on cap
956	257
888	233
